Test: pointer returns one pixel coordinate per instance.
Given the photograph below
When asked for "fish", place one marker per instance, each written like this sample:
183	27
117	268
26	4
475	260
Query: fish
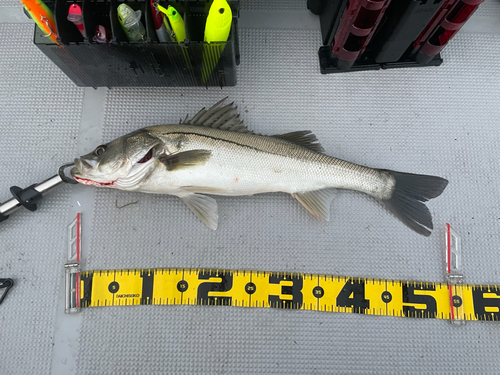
214	153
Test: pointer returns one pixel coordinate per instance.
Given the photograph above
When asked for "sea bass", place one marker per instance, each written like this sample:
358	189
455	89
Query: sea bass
214	153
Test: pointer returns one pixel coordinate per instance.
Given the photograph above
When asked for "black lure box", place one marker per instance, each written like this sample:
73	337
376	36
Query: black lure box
145	63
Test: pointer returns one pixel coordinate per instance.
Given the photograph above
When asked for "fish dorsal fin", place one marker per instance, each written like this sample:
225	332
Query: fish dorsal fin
303	138
317	202
219	116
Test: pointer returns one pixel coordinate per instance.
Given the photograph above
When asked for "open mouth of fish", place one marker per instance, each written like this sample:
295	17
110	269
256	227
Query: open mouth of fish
138	172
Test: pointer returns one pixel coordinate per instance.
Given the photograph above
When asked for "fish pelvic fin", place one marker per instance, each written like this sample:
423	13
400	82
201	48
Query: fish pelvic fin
317	202
407	200
204	207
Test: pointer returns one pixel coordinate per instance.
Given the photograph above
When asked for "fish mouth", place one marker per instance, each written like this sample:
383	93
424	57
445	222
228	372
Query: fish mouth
82	167
139	171
93	183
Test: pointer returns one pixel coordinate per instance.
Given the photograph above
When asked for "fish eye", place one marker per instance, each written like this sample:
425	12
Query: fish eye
100	150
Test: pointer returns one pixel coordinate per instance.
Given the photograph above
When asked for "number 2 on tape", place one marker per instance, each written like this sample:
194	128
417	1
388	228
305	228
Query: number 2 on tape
288	291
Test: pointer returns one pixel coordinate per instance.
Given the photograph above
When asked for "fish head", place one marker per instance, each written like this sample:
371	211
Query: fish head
122	163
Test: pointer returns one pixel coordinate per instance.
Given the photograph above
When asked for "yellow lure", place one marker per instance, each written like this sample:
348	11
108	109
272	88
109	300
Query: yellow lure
176	22
217	30
218	23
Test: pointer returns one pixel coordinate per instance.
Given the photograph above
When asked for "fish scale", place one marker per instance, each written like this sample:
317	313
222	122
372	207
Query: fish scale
264	163
213	153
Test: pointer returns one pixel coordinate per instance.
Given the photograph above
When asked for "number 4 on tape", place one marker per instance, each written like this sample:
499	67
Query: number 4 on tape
176	286
166	286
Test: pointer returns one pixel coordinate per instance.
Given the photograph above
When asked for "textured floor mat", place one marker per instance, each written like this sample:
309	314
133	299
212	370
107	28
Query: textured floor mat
40	112
439	121
490	8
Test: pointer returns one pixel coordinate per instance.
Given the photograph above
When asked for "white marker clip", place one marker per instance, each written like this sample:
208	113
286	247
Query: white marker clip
72	266
453	272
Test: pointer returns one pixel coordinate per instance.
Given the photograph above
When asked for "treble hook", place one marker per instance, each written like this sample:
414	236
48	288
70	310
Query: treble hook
45	20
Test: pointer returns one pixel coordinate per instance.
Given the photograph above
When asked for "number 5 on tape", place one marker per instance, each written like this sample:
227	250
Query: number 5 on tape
289	291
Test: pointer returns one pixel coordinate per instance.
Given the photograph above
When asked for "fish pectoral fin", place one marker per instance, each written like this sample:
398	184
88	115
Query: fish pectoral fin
185	159
317	202
303	138
205	208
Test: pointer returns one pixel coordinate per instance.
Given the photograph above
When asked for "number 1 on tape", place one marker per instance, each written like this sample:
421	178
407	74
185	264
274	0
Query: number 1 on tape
176	286
289	291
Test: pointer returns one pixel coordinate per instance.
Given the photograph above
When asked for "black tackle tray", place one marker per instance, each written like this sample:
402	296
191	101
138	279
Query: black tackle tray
147	63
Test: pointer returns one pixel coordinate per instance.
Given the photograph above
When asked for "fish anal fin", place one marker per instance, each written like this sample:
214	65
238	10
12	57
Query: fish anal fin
185	159
204	207
303	138
317	202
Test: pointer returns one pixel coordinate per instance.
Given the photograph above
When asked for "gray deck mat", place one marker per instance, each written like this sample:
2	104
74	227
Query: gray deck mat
441	121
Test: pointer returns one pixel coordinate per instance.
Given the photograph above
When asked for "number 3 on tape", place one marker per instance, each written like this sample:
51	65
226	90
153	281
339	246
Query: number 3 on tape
165	286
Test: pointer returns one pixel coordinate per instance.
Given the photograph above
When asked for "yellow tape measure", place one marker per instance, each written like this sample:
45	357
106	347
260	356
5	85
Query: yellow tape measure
177	286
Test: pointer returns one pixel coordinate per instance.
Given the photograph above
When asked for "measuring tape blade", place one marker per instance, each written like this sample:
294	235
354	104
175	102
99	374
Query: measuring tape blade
284	290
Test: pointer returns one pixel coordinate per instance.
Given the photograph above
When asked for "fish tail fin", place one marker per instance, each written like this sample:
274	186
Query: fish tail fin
406	202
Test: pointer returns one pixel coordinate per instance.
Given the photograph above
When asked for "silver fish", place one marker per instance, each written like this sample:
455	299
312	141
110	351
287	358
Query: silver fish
214	153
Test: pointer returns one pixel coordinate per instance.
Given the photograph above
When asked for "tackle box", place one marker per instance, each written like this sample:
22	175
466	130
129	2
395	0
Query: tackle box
145	63
362	35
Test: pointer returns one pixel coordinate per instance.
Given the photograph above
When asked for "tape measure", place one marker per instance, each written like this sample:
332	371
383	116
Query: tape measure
299	291
283	290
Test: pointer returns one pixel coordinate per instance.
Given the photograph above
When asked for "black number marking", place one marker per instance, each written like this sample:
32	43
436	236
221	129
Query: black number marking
318	292
356	288
113	287
295	291
386	296
86	300
457	301
481	303
250	288
182	286
224	286
409	296
147	287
